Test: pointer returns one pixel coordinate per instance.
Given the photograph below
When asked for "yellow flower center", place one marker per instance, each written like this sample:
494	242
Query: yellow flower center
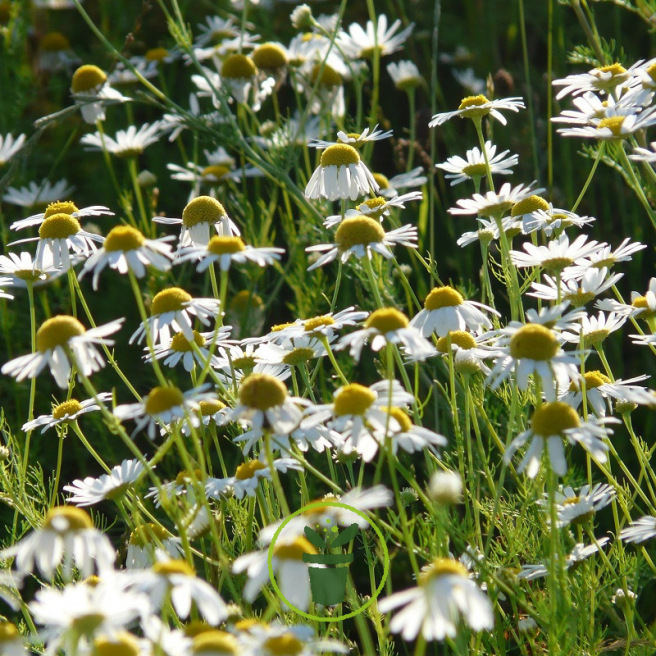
578	298
8	632
386	320
613	69
298	356
162	399
284	645
182	344
170	567
262	391
59	226
401	416
528	205
203	209
196	627
238	67
473	107
294	550
642	303
358	231
276	328
87	78
442	567
55	42
382	180
248	469
217	171
220	245
185	476
592	379
66	408
149	533
122	644
248	623
475	170
77	519
57	331
123	238
614	124
535	342
329	79
169	300
244	300
339	155
375	206
318	322
651	71
458	337
216	643
269	56
208	408
353	399
554	418
156	54
247	362
88	624
443	297
60	207
596	337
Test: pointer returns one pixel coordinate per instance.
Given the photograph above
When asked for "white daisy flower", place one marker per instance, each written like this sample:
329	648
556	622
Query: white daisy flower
177	123
127	143
67	411
475	107
469	351
215	29
175	581
355	139
445	310
226	250
22	269
126	249
243	79
292	352
67	538
640	530
613	128
474	167
54	340
603	79
10	146
494	203
247	478
644	154
556	318
175	308
576	508
181	349
607	256
579	553
378	207
238	360
577	292
359	414
324	325
404	74
67	207
409	437
362	236
594	330
389	187
91	490
388	326
4	282
163	406
37	194
150	543
550	219
11	640
198	217
91	91
467	78
556	255
359	43
445	595
185	484
299	640
552	423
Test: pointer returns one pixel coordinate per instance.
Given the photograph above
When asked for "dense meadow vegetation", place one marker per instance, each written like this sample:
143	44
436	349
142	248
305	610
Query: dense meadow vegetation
294	292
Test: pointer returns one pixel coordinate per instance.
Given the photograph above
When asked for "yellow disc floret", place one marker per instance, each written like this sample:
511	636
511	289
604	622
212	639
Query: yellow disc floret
262	391
554	418
247	469
88	78
148	533
67	408
60	207
460	338
293	550
238	67
353	399
76	519
329	78
442	567
386	320
358	231
298	356
339	155
269	57
614	124
59	226
183	345
169	300
203	209
401	417
310	325
54	42
474	106
57	331
217	171
592	379
441	297
528	205
156	54
124	238
121	644
286	644
215	642
374	205
222	245
8	632
535	342
211	407
170	567
162	399
381	180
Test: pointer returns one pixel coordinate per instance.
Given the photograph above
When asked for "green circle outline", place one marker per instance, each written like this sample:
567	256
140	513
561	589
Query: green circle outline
328	504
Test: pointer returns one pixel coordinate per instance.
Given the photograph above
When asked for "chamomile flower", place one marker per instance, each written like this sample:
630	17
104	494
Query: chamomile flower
126	249
594	329
238	360
67	411
92	490
10	146
67	207
475	107
11	641
150	543
494	203
128	143
215	29
613	128
603	79
4	282
362	236
550	219
408	437
37	194
579	553
577	291
607	256
56	340
388	326
180	349
445	595
535	349
239	74
174	308
355	139
198	217
474	167
389	187
22	269
404	74
91	91
247	477
164	406
446	310
640	530
292	352
277	639
556	255
359	43
469	351
68	538
575	508
340	174
644	154
225	250
552	423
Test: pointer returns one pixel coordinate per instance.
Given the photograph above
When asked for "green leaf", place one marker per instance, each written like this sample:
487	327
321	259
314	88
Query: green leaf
345	536
316	540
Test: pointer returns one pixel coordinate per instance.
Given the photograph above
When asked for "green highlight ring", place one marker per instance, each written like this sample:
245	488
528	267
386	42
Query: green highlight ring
386	560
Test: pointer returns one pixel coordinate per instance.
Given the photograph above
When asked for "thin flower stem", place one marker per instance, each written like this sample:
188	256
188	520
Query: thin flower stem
87	445
277	486
331	356
372	280
600	151
636	184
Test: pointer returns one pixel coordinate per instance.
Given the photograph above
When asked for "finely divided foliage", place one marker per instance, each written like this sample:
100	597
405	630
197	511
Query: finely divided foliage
236	318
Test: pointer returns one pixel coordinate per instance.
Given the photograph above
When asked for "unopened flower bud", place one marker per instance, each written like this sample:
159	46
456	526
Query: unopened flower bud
445	487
